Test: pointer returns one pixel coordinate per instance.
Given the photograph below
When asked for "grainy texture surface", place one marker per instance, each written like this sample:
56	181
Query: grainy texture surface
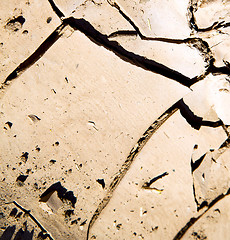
114	119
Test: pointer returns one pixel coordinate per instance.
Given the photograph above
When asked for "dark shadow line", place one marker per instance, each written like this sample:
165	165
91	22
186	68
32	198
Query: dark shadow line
39	52
195	121
56	9
148	184
225	144
34	219
123	32
197	163
220	70
102	40
160	39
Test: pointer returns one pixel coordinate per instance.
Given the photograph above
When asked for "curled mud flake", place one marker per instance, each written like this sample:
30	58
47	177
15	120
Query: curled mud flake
118	226
75	221
15	24
34	118
155	228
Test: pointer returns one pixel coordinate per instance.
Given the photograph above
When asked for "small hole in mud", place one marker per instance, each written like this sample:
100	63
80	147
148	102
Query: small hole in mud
49	19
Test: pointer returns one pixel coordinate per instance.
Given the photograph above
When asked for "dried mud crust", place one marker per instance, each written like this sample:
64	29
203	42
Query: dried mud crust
48	180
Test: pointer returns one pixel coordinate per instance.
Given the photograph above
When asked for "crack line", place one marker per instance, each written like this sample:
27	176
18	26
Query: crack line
138	147
193	220
196	42
34	57
34	219
192	8
102	40
147	185
126	165
56	9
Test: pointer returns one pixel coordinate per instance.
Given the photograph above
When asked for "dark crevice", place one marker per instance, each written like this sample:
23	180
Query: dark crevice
225	128
148	184
198	43
140	61
195	121
219	70
39	52
193	220
56	9
182	232
201	45
128	162
123	32
196	164
194	194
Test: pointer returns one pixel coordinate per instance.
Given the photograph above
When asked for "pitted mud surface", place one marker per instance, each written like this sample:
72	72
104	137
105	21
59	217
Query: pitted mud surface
114	119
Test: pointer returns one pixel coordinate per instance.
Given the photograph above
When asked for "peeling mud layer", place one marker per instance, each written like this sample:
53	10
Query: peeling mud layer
114	119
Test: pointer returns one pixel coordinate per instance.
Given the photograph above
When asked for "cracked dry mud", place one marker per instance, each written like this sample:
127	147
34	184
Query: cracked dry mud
114	119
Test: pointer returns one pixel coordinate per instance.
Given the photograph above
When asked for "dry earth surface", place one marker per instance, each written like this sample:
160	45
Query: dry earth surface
114	119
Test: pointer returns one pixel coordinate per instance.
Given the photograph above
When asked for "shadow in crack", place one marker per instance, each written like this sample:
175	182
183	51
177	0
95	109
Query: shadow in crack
195	121
102	40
